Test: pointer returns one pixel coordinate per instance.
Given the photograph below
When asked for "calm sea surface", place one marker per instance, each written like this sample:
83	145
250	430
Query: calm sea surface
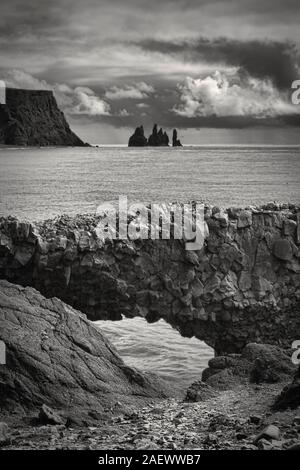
41	183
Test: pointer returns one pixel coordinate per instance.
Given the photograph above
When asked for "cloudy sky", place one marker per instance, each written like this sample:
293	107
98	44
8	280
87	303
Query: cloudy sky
218	70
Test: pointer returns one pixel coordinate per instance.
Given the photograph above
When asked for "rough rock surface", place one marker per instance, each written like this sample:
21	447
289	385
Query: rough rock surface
239	288
199	391
220	422
225	372
32	117
55	356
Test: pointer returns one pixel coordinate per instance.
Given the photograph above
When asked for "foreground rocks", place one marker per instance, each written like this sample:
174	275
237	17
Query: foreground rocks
220	422
242	286
32	117
257	363
290	396
56	357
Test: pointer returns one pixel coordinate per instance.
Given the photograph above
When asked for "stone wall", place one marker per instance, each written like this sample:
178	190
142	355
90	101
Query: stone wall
243	286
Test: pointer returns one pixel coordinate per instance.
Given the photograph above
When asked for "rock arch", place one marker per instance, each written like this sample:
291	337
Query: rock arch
243	286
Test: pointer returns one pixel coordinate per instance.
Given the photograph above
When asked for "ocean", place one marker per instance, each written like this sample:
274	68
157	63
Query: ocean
41	183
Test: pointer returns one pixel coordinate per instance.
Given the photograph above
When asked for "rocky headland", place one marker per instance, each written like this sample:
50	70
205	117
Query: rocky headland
66	387
158	138
32	118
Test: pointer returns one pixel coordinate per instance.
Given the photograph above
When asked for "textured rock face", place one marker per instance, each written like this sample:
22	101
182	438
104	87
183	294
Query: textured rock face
32	117
257	363
55	356
243	286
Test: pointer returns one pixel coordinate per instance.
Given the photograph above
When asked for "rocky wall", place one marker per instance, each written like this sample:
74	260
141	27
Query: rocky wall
242	286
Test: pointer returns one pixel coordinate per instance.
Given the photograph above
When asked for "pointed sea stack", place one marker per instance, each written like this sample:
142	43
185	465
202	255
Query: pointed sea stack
138	139
158	138
176	142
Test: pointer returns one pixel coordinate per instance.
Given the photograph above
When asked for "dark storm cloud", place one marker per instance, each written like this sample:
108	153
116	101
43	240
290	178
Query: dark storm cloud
276	60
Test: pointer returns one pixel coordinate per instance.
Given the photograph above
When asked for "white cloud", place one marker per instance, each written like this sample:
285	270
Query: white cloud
78	100
221	94
138	91
142	105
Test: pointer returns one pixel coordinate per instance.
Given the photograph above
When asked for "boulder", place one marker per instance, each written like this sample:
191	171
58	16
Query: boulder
199	391
257	363
290	395
57	358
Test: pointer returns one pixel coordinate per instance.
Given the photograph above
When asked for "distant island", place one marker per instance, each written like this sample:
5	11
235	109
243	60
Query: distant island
157	138
32	118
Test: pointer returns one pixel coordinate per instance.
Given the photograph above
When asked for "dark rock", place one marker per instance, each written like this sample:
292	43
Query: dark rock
55	356
138	139
294	446
282	249
158	138
264	444
290	395
199	391
259	363
255	419
32	117
176	142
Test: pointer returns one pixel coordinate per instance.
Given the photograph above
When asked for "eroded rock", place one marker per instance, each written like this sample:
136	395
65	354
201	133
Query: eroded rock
57	358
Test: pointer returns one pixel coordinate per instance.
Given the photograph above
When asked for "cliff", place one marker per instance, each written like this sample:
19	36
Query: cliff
55	356
242	286
32	117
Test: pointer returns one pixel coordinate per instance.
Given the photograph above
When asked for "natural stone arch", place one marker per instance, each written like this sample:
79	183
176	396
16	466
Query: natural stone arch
242	286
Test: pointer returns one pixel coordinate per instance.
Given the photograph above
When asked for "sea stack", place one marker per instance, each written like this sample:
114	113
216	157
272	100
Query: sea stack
138	139
176	142
158	138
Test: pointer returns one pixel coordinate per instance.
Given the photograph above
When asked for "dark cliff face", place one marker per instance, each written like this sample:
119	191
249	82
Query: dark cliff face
32	117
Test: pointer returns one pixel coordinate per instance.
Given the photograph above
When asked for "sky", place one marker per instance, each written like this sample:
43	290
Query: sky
220	71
